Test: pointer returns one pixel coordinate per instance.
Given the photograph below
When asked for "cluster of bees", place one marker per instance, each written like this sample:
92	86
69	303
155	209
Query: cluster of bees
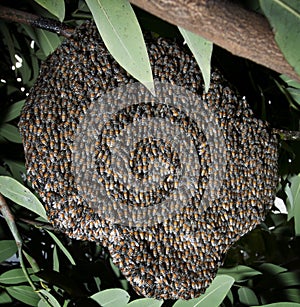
178	256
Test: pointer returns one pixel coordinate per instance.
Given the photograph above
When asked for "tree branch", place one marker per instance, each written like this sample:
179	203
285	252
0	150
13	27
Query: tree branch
48	24
242	32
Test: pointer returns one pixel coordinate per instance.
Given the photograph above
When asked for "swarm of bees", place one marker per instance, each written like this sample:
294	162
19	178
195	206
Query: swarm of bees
179	256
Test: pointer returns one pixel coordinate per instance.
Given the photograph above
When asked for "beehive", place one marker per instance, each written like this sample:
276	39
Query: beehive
178	255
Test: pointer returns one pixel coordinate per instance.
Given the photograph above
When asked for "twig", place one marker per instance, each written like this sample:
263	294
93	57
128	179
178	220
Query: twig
14	230
48	24
287	135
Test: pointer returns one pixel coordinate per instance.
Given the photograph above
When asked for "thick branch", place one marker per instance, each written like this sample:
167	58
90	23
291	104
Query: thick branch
242	32
36	21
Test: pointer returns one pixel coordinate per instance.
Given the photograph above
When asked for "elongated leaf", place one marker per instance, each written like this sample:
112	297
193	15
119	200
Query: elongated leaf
121	33
7	249
247	296
5	298
240	272
51	299
61	246
14	276
202	51
47	41
8	41
11	133
294	201
271	269
295	93
16	192
284	17
17	168
213	296
290	82
24	294
55	7
32	262
55	260
145	302
13	111
111	298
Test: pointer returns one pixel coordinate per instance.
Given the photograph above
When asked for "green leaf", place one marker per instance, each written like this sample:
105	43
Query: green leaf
290	82
55	7
13	111
240	272
294	201
14	276
271	269
295	93
32	262
7	249
247	296
17	168
122	35
284	17
47	41
61	246
111	298
202	51
50	300
213	296
11	133
24	294
145	302
7	39
55	260
5	298
19	194
282	304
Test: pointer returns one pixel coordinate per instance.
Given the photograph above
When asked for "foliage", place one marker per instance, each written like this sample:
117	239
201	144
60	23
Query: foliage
47	269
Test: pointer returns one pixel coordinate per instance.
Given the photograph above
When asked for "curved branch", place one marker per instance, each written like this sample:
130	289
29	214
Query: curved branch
242	32
48	24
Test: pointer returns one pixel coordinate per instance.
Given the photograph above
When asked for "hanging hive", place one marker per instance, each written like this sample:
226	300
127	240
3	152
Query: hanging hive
176	257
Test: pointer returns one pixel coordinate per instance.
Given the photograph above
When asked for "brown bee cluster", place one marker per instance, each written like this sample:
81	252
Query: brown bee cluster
179	256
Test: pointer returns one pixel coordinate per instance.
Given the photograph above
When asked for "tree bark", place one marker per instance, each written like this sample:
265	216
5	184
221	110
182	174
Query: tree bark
226	24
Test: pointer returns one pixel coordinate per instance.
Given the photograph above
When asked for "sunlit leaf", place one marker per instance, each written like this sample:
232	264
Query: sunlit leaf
145	302
284	17
61	246
55	7
25	294
213	296
111	298
7	249
13	111
11	133
16	192
121	33
202	51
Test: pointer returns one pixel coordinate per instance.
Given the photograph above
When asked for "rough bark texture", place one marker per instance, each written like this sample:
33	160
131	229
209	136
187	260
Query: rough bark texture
242	32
